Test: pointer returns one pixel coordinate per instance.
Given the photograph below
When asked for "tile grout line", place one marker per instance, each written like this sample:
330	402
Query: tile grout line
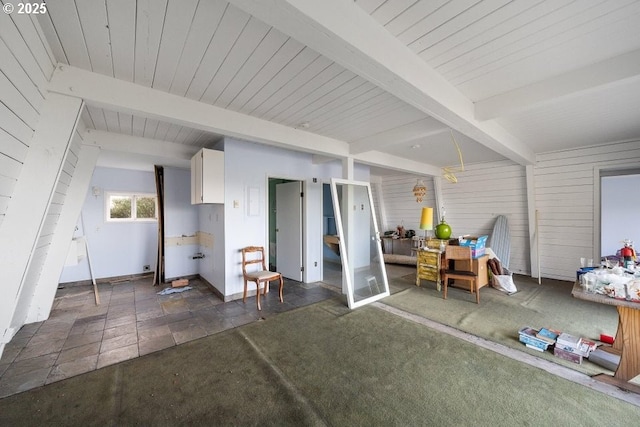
550	367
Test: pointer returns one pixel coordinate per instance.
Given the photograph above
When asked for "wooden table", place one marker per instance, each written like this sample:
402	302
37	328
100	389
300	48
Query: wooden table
627	341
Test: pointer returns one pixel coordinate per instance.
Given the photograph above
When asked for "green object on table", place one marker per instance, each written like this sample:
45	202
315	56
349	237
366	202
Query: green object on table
443	231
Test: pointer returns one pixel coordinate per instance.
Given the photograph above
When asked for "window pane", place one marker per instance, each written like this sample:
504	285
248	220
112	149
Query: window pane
120	207
146	207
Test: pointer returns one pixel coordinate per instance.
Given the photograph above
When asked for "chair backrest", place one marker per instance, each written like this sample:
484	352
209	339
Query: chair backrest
459	253
258	258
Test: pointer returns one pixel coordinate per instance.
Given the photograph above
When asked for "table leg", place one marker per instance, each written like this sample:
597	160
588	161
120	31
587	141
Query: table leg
628	342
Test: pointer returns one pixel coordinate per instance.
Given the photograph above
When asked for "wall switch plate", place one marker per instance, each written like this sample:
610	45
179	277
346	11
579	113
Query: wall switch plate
236	203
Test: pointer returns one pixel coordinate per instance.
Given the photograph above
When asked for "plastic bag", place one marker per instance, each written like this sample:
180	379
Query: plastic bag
504	283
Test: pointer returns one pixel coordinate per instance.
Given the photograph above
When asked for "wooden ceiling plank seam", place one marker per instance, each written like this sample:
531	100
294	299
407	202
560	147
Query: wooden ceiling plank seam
334	107
27	29
231	25
372	113
14	72
17	103
203	27
537	43
177	27
323	77
67	26
252	34
407	133
150	128
126	123
370	6
603	73
255	68
317	93
343	110
336	93
385	101
149	27
412	16
280	87
182	135
390	10
374	123
43	38
121	15
162	130
493	32
464	19
271	73
138	125
501	44
290	74
457	41
93	16
172	133
86	119
51	36
17	45
435	20
97	116
380	100
112	120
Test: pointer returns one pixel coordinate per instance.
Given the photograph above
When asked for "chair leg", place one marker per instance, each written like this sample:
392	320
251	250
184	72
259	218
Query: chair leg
258	294
244	295
280	288
445	282
477	293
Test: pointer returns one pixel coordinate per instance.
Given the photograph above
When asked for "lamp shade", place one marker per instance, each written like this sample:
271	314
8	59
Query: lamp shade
426	219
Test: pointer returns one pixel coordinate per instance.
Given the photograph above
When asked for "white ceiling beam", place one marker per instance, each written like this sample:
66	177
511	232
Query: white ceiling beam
346	34
387	161
110	93
138	145
619	70
407	133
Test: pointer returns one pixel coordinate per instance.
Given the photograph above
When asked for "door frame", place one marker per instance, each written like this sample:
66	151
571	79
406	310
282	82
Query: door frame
268	215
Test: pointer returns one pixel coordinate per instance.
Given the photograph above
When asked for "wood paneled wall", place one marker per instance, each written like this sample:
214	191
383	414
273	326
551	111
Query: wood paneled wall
26	65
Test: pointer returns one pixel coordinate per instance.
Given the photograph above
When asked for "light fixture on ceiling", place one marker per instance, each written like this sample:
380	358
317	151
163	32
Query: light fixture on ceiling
419	190
449	171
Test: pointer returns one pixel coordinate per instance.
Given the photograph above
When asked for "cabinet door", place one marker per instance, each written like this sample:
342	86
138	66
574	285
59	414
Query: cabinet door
212	176
196	178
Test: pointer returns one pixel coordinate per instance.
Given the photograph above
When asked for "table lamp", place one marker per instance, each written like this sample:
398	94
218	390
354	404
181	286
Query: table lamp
426	220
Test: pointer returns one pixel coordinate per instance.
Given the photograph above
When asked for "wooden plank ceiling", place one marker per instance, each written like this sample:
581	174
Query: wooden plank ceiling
216	53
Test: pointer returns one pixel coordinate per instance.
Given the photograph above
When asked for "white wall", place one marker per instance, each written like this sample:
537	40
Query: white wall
565	186
399	203
181	219
619	213
117	248
212	266
250	165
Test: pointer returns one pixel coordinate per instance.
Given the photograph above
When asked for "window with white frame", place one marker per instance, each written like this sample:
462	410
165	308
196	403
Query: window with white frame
125	207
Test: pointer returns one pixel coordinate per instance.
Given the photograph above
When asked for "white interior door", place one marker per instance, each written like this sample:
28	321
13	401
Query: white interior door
289	229
364	271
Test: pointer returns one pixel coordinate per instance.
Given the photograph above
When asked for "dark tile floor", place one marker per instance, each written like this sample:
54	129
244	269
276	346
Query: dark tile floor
131	321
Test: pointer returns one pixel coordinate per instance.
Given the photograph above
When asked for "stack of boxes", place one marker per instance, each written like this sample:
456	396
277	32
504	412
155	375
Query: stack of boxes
565	346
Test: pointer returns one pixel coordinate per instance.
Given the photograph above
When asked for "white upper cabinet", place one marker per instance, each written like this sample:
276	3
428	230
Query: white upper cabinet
207	177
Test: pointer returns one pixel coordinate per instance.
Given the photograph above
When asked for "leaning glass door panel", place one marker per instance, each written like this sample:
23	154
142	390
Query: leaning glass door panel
360	243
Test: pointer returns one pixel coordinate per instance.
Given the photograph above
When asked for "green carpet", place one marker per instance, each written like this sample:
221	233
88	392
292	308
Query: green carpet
499	316
319	365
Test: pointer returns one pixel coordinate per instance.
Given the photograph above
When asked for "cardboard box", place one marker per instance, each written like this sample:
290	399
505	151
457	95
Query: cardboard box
567	355
527	335
179	283
477	244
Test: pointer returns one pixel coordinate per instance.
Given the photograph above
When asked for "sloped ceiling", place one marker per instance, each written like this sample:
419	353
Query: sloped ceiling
400	78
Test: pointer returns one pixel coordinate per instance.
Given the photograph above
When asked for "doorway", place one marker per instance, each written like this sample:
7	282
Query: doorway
618	209
285	227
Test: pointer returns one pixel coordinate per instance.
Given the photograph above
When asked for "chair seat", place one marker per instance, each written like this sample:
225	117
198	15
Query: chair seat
461	273
262	275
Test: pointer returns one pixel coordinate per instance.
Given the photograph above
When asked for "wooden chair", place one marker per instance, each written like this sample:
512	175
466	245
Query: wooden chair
461	256
258	276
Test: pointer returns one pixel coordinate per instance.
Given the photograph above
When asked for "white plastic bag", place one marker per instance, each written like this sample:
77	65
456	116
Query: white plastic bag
504	282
